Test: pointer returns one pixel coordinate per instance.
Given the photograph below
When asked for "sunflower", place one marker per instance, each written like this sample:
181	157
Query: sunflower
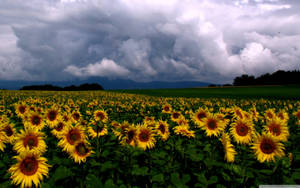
10	132
21	109
278	128
76	116
184	130
52	116
175	116
97	129
297	115
100	115
213	125
162	128
199	115
242	131
66	118
58	128
130	137
34	120
2	140
121	129
228	148
145	137
80	152
30	140
167	108
266	148
283	115
270	113
29	170
238	112
70	137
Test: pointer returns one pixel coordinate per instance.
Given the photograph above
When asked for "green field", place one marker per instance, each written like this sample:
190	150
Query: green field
268	92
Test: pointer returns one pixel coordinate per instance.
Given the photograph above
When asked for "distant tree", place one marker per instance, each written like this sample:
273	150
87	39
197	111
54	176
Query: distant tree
83	87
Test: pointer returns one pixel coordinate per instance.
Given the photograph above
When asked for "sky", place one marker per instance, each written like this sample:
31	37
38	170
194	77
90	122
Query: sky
150	40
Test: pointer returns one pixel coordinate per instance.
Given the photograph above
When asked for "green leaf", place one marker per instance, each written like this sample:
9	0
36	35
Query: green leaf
201	178
92	181
61	173
109	184
226	176
140	171
158	178
266	171
296	176
212	180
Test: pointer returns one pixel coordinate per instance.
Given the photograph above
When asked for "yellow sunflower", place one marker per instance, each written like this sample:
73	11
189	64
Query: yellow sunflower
71	136
130	137
213	125
80	152
120	130
100	115
270	114
242	131
2	139
10	132
97	129
21	109
278	128
283	116
145	137
52	116
228	148
34	120
175	116
58	128
266	148
199	115
76	116
29	170
184	130
162	128
238	112
30	140
167	108
297	115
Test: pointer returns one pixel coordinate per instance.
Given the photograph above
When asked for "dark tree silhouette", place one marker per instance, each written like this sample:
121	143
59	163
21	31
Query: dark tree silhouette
83	87
279	77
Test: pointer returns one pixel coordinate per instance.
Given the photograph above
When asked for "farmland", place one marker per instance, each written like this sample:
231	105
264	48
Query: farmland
185	139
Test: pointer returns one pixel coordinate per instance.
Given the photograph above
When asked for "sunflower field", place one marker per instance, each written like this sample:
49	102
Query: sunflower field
104	139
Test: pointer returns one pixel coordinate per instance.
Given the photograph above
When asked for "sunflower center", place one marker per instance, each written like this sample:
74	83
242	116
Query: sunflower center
267	146
242	130
59	126
298	115
166	108
30	141
36	120
66	118
162	128
275	129
76	116
280	115
8	131
211	124
29	166
175	115
270	115
52	115
82	149
144	136
100	115
201	115
73	136
22	109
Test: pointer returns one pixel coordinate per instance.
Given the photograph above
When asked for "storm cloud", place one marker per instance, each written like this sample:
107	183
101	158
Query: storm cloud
200	40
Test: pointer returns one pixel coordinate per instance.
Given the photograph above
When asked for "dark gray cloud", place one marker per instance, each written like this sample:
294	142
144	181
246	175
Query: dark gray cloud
173	40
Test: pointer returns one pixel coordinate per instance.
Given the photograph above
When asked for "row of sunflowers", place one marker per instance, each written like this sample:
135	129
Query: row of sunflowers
125	140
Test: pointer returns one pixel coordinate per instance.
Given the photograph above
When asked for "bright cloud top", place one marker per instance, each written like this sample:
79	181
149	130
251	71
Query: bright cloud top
203	40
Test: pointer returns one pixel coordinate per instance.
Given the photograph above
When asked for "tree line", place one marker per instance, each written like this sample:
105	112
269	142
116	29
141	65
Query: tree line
279	77
49	87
